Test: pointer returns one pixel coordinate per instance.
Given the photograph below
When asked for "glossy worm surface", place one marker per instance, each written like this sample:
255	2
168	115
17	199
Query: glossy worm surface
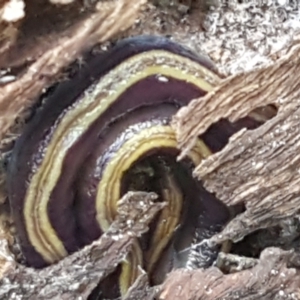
104	132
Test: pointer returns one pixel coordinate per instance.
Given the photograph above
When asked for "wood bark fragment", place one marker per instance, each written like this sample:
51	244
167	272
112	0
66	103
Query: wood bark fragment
141	289
270	279
238	95
231	263
81	272
259	167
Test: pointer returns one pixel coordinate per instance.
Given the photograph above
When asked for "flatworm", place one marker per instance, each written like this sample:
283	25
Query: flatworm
107	131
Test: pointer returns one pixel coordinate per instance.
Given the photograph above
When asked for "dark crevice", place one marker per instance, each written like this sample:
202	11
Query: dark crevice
285	236
218	134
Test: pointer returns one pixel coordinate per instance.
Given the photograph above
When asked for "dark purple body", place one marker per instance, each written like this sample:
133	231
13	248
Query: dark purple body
73	218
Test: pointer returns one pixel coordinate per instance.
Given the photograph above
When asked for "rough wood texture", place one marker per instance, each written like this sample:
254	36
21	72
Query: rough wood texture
270	279
141	289
79	273
260	167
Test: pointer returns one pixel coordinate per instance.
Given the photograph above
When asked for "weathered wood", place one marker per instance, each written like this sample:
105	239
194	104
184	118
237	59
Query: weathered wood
270	279
259	168
78	274
141	289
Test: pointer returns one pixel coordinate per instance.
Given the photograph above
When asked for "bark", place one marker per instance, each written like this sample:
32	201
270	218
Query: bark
270	279
259	167
141	289
80	273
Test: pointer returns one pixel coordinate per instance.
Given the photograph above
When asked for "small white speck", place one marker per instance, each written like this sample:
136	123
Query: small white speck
13	11
129	222
115	237
162	78
74	287
259	165
274	272
282	2
7	79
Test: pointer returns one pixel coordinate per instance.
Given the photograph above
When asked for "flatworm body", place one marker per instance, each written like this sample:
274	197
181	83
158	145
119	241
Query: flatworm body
104	132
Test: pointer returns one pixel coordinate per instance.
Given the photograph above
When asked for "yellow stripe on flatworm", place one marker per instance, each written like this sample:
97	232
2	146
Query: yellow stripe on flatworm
130	268
109	188
166	224
76	122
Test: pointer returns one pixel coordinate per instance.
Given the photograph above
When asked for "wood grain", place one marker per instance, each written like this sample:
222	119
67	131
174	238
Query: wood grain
259	168
79	273
270	279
